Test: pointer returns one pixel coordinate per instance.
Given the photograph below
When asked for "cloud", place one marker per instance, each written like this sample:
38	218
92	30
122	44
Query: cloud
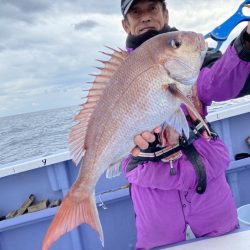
2	48
201	16
86	25
107	7
50	61
48	48
27	6
24	11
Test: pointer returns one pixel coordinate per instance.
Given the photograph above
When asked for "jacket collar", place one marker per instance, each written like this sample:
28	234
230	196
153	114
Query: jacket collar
133	42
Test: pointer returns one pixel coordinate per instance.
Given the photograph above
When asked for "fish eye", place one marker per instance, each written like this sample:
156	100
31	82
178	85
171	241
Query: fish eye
175	43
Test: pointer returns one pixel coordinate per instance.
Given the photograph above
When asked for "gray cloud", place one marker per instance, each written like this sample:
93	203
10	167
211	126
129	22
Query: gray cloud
86	25
2	48
92	6
31	7
27	6
45	61
26	11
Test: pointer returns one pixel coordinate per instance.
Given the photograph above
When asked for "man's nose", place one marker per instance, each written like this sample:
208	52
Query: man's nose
146	18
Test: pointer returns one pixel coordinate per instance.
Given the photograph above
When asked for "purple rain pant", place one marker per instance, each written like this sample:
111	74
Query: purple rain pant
165	204
210	214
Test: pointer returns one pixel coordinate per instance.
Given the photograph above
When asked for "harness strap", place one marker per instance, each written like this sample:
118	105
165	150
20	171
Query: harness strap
194	157
155	153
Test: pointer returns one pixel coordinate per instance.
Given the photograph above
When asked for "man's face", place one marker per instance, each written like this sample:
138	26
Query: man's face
144	16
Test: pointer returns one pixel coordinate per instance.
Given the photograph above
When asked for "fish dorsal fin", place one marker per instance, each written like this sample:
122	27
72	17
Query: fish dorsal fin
78	132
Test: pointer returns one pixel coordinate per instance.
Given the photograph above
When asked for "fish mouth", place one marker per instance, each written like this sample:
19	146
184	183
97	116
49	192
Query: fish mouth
201	44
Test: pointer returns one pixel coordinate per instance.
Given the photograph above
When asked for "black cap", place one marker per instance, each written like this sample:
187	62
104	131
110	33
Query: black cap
125	5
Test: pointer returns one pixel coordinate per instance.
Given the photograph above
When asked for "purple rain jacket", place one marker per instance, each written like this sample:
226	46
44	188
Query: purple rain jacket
164	205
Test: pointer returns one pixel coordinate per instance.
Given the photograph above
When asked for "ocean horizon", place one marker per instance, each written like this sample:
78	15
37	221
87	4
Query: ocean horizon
44	133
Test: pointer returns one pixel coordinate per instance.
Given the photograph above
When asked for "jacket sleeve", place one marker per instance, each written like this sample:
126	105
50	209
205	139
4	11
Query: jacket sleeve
228	77
157	174
244	54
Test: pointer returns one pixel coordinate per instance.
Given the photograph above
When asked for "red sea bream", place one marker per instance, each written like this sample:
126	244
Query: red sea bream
133	93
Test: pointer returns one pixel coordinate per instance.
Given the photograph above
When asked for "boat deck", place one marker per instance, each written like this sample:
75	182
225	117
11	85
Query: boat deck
52	176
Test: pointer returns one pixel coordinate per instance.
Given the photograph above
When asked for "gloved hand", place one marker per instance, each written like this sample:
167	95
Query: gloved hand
168	137
142	140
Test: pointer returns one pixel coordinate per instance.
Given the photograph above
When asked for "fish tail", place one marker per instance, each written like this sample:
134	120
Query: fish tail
71	214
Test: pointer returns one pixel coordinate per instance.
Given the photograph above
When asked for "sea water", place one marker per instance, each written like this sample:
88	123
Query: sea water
35	134
44	133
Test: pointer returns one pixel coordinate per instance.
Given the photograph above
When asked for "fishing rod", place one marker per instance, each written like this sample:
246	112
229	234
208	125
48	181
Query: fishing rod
99	195
221	33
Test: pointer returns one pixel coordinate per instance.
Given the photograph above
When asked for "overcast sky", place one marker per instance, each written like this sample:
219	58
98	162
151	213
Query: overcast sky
48	48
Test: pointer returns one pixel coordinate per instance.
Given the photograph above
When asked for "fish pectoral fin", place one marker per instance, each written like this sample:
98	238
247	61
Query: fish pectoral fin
114	169
71	214
194	113
179	122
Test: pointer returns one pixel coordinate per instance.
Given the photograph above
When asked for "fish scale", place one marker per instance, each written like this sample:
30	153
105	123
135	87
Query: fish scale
138	110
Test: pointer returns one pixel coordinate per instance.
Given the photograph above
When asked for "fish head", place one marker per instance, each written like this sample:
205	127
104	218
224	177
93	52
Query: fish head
181	53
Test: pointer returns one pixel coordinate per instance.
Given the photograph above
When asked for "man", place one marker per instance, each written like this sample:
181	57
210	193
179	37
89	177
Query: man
186	186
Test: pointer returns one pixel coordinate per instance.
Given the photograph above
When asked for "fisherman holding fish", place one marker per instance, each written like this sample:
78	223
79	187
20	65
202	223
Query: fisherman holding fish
177	172
176	183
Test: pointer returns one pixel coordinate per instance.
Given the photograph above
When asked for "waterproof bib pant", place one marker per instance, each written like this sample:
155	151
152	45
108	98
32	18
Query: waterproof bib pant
164	219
